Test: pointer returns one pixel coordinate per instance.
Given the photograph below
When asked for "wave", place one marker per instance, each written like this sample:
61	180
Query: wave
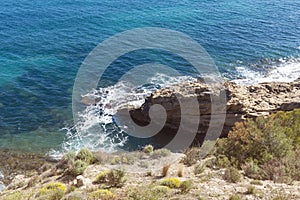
97	129
281	70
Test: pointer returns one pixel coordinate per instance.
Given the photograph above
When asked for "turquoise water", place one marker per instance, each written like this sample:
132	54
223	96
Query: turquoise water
43	44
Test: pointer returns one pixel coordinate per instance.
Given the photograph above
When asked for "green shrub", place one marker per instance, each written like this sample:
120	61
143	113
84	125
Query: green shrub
116	160
123	159
252	170
148	149
223	161
186	186
67	161
86	156
171	182
232	175
161	189
147	193
14	196
235	197
52	191
160	153
116	178
250	190
192	156
256	182
199	169
265	147
101	194
102	177
112	178
79	167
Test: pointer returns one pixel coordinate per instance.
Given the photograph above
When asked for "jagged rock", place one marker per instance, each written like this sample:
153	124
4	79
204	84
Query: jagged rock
242	101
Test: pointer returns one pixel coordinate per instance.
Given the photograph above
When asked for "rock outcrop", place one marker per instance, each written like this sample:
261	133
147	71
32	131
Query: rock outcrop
242	101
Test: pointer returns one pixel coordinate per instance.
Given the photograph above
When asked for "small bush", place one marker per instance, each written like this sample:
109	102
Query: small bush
161	189
160	153
192	156
148	173
86	156
116	178
232	175
252	170
128	159
79	167
67	161
256	182
102	177
265	147
164	171
112	178
250	190
235	197
147	193
223	161
281	195
116	160
148	149
186	186
171	182
52	191
101	194
199	169
14	196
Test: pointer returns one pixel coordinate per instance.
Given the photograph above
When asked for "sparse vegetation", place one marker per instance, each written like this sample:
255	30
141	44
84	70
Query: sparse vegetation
101	194
160	153
102	177
235	197
79	167
161	189
199	168
256	182
186	186
250	190
171	182
52	191
240	152
73	164
112	178
147	193
86	156
148	149
192	156
232	175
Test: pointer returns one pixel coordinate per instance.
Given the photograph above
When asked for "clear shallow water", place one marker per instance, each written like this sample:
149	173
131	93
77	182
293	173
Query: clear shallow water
44	42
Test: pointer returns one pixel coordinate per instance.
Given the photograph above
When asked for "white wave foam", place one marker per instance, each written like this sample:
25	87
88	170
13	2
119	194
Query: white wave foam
96	128
286	70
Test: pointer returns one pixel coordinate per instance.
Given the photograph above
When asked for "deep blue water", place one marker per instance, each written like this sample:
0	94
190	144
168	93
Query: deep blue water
43	44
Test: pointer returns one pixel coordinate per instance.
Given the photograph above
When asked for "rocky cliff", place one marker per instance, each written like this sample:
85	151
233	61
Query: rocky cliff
242	101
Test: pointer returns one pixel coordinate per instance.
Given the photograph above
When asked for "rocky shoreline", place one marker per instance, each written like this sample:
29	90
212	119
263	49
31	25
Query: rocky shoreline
242	102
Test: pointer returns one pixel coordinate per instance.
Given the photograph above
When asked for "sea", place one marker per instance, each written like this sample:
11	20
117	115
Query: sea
43	43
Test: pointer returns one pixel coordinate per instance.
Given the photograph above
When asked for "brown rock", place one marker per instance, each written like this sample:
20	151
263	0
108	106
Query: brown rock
242	102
